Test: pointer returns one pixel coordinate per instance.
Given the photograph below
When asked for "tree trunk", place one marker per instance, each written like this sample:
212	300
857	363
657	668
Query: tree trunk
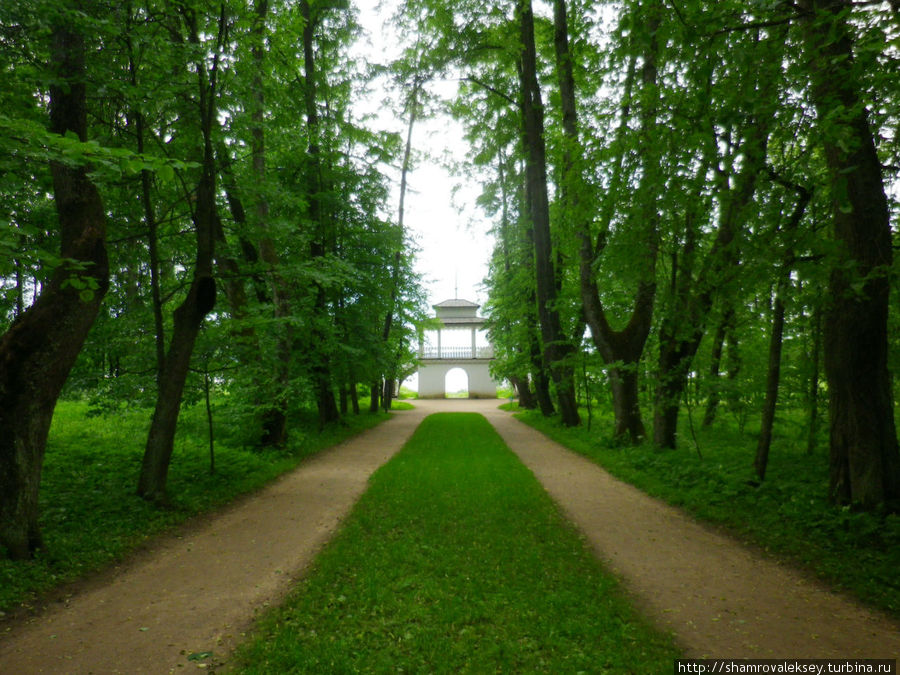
374	396
556	348
275	411
812	402
773	374
626	403
343	405
621	349
715	365
354	398
152	228
692	299
865	463
39	349
413	103
199	301
188	319
675	356
773	378
320	352
527	399
542	388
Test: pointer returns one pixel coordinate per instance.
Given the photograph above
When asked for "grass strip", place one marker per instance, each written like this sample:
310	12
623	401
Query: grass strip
788	514
456	560
90	514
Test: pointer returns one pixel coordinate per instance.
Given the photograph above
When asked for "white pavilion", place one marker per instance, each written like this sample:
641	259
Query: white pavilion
458	342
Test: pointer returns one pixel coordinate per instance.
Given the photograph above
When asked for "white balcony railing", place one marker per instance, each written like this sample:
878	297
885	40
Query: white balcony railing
457	353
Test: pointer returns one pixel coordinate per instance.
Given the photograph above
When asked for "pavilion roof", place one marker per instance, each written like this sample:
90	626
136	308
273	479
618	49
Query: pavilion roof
457	303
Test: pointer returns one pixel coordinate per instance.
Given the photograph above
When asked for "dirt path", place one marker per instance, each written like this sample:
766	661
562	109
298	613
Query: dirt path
197	593
719	599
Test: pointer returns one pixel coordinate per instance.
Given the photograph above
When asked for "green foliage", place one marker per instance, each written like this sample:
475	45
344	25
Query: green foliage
456	559
91	515
787	515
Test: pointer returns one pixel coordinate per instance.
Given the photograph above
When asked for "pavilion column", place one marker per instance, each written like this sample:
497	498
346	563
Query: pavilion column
474	353
439	343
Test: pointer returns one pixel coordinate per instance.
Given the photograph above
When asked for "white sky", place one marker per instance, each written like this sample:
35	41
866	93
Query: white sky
450	230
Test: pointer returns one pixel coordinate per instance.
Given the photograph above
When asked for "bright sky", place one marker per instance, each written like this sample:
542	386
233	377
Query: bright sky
451	231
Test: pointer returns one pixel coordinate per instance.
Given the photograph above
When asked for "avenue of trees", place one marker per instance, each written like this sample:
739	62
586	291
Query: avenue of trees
693	205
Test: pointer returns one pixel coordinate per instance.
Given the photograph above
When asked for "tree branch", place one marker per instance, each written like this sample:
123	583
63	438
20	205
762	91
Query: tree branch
491	89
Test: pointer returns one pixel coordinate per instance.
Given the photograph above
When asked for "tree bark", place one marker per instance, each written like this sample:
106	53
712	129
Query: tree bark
865	462
556	347
39	349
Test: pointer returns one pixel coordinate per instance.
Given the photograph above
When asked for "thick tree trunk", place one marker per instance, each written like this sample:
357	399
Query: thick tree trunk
693	295
621	349
374	396
626	403
39	349
865	463
269	390
542	391
556	347
527	399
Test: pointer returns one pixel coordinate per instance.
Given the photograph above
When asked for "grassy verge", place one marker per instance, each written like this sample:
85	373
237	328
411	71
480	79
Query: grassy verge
90	515
788	514
456	560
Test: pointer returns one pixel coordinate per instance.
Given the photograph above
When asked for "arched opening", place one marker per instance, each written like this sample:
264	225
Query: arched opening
456	383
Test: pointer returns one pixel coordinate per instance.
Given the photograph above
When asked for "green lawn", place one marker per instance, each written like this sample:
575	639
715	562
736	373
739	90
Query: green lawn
456	560
90	514
788	514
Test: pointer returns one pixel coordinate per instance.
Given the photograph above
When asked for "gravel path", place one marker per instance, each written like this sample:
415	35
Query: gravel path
196	593
720	599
